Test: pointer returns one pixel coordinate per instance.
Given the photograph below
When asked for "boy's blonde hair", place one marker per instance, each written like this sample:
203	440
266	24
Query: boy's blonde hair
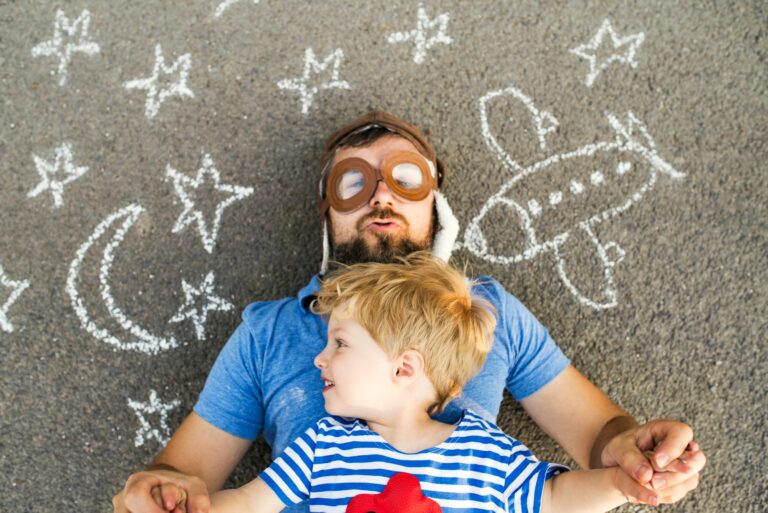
420	303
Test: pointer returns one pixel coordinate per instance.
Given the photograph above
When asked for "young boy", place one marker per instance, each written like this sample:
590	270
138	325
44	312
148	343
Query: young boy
403	339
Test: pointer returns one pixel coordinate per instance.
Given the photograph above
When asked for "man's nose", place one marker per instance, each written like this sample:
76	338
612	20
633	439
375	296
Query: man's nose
383	195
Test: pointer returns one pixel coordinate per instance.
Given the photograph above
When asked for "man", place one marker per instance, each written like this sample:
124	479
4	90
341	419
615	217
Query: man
379	198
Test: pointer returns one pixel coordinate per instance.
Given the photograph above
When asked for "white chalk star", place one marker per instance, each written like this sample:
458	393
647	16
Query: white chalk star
198	302
77	41
17	287
418	34
223	6
312	66
161	433
588	51
185	186
62	165
156	95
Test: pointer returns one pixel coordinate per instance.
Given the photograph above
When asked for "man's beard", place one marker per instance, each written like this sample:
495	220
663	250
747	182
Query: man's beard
387	250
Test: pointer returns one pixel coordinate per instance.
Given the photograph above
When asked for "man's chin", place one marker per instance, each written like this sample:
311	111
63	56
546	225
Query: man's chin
383	249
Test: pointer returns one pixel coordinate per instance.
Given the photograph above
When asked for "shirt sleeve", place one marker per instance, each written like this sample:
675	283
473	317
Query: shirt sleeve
536	358
525	479
289	475
231	398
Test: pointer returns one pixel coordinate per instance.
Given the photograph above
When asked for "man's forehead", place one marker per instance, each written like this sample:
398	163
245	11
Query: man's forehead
377	150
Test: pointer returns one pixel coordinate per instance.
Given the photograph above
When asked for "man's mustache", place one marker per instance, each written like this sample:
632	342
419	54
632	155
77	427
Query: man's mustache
381	213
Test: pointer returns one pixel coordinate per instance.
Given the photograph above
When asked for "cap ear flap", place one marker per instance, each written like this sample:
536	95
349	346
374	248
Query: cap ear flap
326	247
445	239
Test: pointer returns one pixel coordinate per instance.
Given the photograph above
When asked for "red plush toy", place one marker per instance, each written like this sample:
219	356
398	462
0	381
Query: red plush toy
401	495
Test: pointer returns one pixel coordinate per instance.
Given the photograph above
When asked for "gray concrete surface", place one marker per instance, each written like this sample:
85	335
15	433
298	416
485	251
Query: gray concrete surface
685	337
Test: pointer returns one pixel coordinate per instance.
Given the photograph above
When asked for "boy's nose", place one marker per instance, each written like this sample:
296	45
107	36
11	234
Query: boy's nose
320	361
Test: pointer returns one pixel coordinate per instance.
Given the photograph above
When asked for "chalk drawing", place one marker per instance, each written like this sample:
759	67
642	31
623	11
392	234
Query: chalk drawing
17	287
419	35
223	6
62	166
68	38
144	341
157	95
146	432
589	50
185	187
198	302
313	67
637	159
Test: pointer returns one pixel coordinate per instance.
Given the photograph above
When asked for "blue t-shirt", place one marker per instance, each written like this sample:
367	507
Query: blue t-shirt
264	380
477	469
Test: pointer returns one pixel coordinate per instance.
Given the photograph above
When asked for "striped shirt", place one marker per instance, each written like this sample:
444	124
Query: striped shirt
478	468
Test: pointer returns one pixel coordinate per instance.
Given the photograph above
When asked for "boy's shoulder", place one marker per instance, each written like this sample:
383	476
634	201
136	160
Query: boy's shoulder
473	423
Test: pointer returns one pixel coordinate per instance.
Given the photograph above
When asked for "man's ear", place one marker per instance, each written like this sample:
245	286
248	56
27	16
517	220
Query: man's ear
409	367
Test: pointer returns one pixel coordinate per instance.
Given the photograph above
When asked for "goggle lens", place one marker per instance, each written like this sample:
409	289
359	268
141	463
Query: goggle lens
350	184
408	175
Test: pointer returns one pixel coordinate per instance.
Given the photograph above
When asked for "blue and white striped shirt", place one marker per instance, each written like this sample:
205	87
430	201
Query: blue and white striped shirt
478	468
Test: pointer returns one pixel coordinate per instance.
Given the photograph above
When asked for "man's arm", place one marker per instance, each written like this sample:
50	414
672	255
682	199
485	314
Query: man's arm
597	433
199	458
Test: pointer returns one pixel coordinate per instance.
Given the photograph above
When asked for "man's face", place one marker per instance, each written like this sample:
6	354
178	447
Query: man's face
387	226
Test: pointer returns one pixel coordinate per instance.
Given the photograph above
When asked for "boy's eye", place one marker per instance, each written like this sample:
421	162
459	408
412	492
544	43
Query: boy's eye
340	343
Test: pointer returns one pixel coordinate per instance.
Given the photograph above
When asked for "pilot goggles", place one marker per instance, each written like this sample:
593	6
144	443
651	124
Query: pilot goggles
352	182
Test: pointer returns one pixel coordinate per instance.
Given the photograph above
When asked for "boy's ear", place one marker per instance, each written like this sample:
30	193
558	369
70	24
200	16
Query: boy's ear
410	366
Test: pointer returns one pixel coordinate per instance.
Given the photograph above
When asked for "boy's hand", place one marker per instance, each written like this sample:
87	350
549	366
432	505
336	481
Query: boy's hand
672	469
160	491
170	497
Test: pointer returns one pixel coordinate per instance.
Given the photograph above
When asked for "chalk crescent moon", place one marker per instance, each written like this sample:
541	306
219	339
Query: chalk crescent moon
145	341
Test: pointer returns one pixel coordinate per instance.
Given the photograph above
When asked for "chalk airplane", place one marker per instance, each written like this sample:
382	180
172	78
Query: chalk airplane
566	195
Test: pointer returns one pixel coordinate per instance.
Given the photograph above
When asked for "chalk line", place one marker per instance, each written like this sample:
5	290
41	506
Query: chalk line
62	164
182	183
419	35
147	342
57	47
312	67
155	96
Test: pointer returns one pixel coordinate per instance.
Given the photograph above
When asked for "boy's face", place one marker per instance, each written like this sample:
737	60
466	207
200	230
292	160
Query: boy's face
360	371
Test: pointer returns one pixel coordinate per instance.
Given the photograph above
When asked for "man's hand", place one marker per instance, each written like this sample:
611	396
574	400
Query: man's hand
162	491
669	470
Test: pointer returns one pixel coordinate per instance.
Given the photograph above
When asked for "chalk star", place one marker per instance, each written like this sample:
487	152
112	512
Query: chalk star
588	51
146	431
198	302
185	185
418	34
311	65
157	95
17	287
57	47
223	6
62	164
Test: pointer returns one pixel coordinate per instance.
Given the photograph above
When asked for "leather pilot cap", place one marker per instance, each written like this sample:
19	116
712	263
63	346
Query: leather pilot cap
392	123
